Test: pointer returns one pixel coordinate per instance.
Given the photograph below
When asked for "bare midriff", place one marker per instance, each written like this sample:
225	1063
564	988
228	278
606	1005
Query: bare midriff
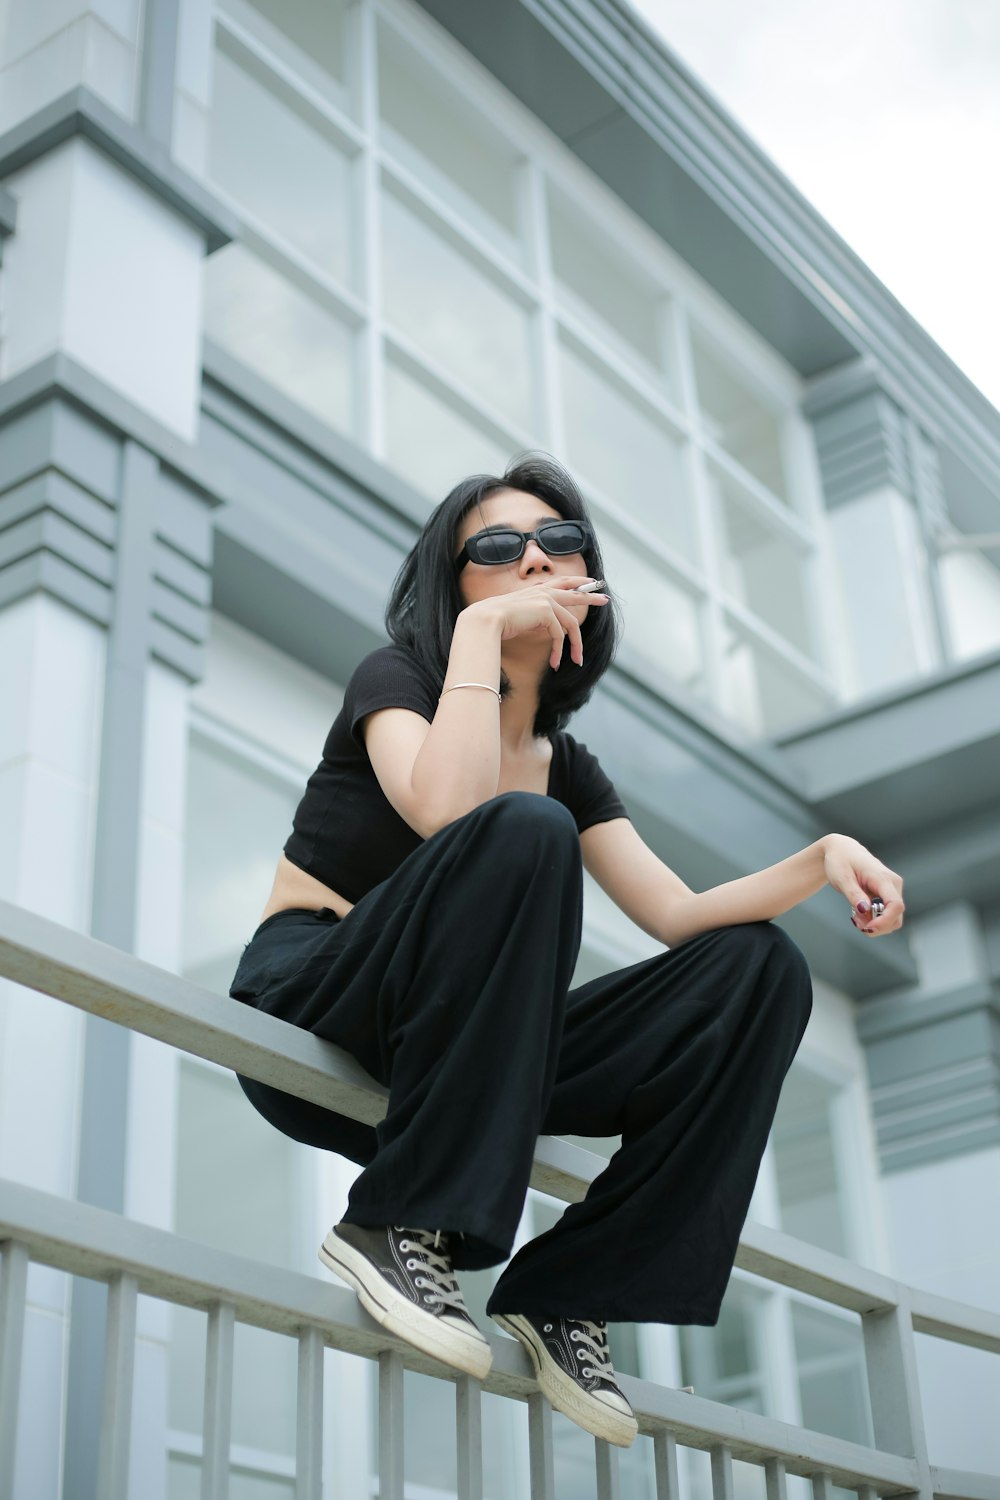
294	887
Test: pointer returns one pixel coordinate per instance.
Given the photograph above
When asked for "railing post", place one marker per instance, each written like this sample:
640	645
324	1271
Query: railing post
722	1472
891	1359
309	1418
13	1295
608	1477
774	1479
665	1467
543	1474
469	1433
116	1405
390	1425
217	1420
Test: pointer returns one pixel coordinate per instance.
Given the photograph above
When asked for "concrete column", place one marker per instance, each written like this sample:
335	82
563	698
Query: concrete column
872	486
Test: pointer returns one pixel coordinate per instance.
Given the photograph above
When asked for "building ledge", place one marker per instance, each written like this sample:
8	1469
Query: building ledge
81	113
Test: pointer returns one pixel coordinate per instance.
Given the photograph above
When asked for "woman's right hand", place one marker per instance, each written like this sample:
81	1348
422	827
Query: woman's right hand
542	608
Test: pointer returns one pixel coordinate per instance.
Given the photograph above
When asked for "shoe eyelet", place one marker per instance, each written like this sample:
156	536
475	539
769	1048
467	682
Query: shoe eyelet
548	1328
411	1265
405	1247
574	1334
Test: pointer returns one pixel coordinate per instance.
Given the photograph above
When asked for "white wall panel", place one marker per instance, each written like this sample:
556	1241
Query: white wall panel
101	269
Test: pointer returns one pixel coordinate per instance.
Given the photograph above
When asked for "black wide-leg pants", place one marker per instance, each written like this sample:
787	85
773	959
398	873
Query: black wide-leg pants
449	982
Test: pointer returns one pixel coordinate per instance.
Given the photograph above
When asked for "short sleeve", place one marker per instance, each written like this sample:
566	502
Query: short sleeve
592	795
390	677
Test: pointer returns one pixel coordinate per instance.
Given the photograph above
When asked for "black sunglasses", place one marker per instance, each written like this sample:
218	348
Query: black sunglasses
503	544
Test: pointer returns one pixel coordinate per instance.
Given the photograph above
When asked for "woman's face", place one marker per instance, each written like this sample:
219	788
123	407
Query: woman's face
524	512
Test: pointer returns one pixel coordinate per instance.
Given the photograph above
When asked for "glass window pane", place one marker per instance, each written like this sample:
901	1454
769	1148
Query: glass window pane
272	153
738	420
603	285
456	313
439	137
661	617
311	37
830	1354
809	1191
620	446
287	337
762	569
236	822
431	444
763	693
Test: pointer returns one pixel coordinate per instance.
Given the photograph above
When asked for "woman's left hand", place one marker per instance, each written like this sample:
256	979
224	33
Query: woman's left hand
862	878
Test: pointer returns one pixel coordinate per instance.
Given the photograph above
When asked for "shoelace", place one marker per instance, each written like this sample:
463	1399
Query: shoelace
594	1337
444	1290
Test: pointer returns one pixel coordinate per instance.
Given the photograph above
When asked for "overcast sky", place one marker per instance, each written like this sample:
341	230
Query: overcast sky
886	115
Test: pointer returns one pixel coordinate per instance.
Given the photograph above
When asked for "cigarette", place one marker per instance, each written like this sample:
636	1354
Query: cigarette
591	588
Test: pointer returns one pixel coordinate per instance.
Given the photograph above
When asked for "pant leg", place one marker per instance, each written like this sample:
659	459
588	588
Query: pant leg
448	983
684	1054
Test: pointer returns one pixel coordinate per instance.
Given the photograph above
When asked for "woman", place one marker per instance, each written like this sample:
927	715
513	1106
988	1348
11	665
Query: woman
426	916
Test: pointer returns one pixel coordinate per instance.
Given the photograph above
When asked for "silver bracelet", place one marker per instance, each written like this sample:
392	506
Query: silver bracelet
471	684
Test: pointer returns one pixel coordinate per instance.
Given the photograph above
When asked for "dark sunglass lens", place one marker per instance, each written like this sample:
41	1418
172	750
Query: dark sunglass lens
498	546
563	537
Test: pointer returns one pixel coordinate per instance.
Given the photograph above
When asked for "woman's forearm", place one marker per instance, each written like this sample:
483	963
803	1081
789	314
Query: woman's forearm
752	898
458	764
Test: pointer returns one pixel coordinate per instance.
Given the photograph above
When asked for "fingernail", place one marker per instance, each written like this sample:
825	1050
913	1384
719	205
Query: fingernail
862	906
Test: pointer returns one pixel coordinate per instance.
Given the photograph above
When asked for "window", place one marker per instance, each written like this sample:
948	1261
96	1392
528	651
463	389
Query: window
597	282
625	449
258	127
738	419
456	313
427	127
263	319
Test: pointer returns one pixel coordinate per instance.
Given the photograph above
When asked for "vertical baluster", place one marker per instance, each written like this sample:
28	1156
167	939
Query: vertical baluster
390	1425
608	1479
774	1479
218	1413
722	1472
13	1294
469	1430
116	1404
867	1492
822	1485
543	1474
665	1466
309	1417
891	1360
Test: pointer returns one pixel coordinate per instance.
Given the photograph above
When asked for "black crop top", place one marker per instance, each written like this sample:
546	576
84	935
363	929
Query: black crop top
347	833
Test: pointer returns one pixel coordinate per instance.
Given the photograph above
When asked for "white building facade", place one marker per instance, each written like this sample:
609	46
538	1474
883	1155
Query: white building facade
274	277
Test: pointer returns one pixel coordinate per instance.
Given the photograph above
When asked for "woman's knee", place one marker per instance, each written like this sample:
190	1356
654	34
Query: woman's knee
530	818
766	942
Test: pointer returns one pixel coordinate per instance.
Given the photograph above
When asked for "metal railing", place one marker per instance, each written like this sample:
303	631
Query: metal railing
136	1259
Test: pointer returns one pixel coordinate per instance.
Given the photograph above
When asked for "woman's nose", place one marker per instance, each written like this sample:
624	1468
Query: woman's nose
534	557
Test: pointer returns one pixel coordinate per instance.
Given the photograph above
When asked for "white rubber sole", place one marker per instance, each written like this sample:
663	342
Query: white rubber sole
593	1415
463	1351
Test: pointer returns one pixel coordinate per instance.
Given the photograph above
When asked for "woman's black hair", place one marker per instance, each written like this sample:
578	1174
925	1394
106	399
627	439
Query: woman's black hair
425	601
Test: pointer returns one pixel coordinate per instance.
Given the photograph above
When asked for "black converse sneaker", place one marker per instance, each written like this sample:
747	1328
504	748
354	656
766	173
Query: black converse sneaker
404	1279
573	1366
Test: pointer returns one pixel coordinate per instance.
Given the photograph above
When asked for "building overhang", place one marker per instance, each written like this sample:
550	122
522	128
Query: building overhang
602	81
